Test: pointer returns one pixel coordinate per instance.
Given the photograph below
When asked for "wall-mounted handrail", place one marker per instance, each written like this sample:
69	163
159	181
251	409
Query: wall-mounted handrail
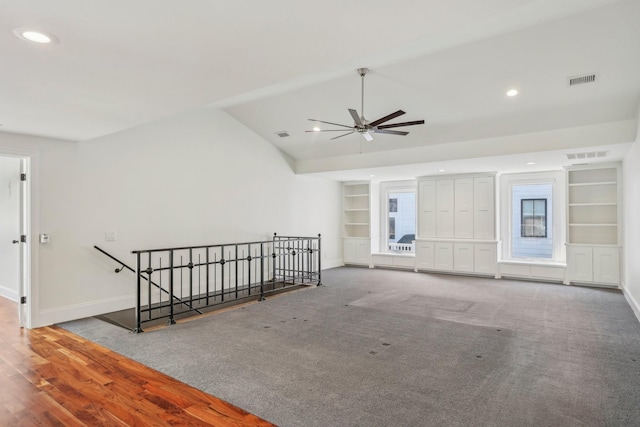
123	266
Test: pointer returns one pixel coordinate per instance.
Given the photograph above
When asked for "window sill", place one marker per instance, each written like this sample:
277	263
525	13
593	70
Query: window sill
534	262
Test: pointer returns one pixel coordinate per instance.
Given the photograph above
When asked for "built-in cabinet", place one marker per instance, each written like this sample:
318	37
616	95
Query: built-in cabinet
593	224
356	202
456	224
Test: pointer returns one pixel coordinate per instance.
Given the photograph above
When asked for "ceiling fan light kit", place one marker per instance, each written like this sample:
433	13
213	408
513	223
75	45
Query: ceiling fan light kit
362	125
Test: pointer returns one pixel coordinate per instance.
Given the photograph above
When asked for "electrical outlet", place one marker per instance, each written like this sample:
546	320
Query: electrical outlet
110	236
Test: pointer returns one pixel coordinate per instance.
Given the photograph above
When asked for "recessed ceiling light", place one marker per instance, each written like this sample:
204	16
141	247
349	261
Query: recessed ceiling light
35	36
531	163
371	176
316	129
441	170
512	92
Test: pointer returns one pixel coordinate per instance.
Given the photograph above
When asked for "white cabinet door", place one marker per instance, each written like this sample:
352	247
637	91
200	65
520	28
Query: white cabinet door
484	258
427	208
444	208
580	263
424	255
443	256
606	265
356	251
463	257
463	208
483	208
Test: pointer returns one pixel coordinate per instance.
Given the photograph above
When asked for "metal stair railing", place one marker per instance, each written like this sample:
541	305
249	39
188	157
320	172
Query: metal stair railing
183	280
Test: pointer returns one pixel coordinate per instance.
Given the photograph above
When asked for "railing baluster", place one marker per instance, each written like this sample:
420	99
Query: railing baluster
207	274
172	321
138	287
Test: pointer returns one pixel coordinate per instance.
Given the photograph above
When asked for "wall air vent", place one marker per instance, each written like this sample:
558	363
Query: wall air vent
583	79
588	155
283	134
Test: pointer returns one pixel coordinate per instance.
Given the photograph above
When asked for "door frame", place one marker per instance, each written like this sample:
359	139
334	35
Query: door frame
29	250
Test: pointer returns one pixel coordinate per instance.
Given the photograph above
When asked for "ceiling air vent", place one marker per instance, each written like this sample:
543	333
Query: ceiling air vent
283	134
583	79
588	155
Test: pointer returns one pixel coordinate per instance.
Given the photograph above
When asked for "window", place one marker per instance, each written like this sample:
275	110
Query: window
533	221
398	201
533	212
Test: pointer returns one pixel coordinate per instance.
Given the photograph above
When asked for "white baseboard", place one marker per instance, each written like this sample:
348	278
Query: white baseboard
11	294
50	316
632	302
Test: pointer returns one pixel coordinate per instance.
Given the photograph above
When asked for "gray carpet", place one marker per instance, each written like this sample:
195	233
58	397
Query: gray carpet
391	348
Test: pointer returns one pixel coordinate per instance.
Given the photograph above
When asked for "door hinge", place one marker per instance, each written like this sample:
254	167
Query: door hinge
23	238
23	177
23	300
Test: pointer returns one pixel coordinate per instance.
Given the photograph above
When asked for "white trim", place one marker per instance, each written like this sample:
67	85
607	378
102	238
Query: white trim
556	179
87	309
32	273
632	302
406	186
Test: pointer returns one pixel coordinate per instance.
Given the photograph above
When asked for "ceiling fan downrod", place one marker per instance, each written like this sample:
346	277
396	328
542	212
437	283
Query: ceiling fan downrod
362	72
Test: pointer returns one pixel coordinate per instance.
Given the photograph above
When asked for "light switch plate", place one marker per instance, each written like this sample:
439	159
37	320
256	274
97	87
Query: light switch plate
110	236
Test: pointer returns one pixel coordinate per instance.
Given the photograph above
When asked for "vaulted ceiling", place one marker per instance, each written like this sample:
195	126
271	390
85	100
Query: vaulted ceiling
273	65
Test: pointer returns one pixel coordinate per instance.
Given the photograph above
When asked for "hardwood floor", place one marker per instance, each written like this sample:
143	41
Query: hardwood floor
51	377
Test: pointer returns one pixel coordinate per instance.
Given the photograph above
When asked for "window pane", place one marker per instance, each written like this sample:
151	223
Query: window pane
401	221
392	228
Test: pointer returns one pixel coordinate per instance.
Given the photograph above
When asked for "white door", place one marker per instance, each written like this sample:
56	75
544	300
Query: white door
13	224
463	257
580	263
463	205
606	265
24	243
427	208
424	255
444	205
443	256
483	206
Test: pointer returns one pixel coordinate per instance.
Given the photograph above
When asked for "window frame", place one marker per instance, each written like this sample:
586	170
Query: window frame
387	187
533	216
558	213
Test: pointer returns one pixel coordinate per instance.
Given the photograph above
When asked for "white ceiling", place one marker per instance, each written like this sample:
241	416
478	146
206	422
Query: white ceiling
273	65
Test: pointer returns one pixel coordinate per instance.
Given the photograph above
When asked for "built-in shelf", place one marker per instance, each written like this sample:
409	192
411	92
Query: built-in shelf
594	224
593	219
592	207
590	184
356	209
593	204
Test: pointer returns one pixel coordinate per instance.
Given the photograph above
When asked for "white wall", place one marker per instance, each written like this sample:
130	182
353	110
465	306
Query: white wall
631	235
9	226
197	178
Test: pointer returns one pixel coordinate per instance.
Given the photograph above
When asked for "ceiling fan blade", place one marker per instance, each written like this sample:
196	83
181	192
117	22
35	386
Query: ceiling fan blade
387	118
392	132
395	125
326	130
329	123
367	136
355	116
340	136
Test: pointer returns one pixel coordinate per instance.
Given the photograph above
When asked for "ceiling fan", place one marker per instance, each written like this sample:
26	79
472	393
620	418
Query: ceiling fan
365	127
